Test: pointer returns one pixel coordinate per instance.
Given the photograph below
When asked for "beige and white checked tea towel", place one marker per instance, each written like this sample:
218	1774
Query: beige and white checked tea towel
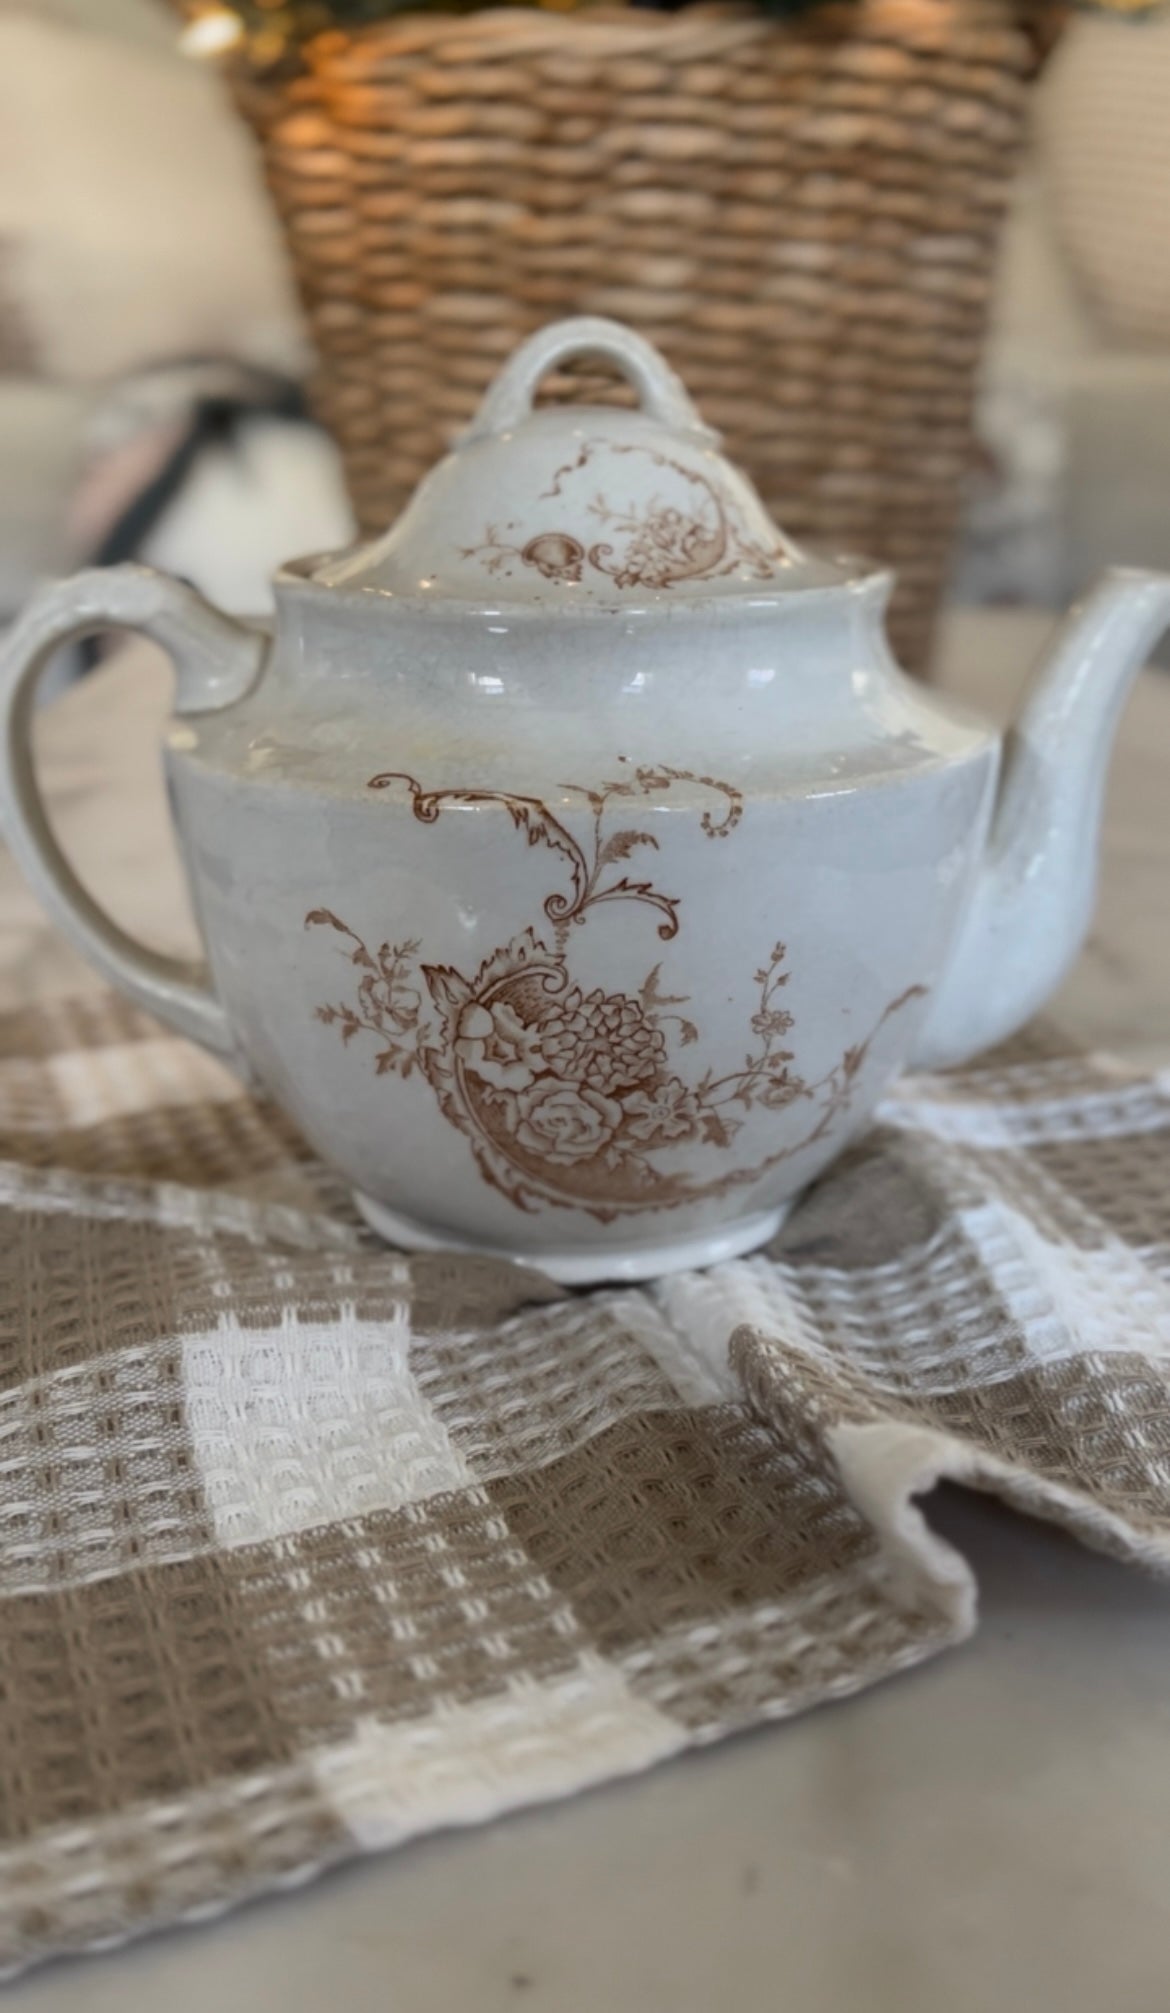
307	1547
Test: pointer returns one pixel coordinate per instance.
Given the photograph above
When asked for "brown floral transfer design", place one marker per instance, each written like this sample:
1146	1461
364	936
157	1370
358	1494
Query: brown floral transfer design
572	1097
649	545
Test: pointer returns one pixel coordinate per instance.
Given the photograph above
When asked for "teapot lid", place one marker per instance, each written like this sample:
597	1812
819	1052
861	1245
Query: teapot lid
583	506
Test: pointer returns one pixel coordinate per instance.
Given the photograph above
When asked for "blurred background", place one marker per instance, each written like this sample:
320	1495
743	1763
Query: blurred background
912	256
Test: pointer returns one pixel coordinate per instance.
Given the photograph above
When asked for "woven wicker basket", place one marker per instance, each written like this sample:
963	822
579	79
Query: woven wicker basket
803	217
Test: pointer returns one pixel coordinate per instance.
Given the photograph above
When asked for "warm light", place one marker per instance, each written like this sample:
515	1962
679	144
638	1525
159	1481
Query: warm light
212	33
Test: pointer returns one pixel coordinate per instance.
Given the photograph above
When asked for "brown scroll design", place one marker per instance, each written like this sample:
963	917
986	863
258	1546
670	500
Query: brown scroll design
650	544
582	1098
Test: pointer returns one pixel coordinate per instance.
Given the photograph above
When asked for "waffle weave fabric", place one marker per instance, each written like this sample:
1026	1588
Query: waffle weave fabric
308	1547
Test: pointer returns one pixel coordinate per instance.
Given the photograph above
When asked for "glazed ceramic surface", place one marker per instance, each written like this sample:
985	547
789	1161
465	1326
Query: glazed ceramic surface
575	865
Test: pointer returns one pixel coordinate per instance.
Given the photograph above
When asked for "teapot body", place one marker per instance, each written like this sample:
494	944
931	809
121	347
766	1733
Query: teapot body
562	943
574	864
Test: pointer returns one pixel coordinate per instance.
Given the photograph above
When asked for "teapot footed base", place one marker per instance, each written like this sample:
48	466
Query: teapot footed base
573	1266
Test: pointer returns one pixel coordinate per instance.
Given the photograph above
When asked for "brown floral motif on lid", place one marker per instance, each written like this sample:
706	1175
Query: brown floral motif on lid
574	1097
653	543
556	555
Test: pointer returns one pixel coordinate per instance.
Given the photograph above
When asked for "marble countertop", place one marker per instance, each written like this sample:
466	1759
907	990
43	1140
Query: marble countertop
991	1831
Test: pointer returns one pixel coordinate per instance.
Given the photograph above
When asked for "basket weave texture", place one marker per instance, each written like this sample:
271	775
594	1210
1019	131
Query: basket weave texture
803	216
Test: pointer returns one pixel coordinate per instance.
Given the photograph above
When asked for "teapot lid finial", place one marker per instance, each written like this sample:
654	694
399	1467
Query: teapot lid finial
579	506
663	397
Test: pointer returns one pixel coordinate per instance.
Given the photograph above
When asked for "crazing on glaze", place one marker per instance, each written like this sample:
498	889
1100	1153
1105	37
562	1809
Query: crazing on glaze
649	543
578	1098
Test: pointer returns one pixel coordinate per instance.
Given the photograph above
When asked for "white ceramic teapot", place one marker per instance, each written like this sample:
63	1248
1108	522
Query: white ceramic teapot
574	863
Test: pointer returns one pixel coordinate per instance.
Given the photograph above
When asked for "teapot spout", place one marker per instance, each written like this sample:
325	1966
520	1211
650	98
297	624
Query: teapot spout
1032	901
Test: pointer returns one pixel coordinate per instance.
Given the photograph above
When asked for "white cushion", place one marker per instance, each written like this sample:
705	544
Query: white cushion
133	216
1103	134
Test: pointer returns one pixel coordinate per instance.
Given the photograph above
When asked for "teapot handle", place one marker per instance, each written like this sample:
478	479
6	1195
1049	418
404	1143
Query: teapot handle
662	395
216	661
